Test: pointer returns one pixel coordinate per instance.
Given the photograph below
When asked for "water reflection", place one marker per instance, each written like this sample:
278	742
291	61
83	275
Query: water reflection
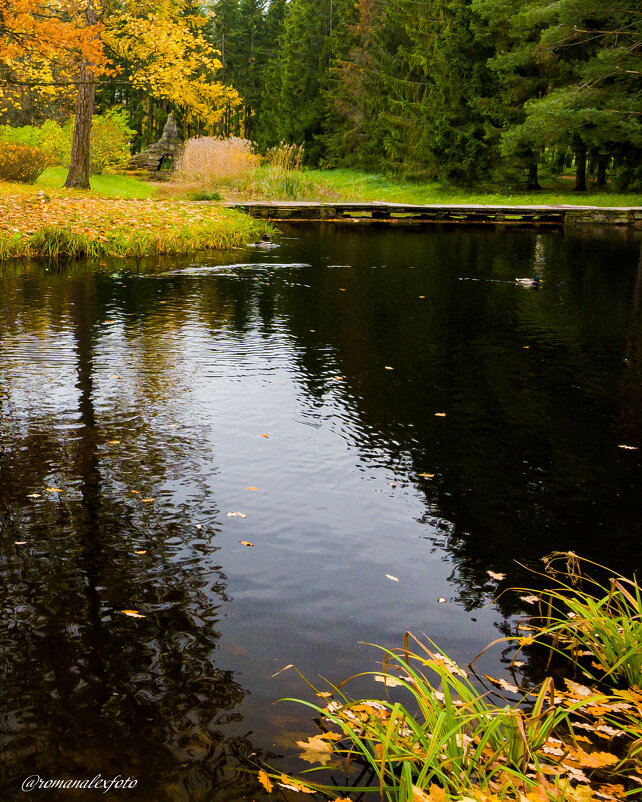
136	400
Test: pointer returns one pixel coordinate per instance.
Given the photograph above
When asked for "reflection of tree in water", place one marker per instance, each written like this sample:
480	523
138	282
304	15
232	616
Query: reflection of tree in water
86	689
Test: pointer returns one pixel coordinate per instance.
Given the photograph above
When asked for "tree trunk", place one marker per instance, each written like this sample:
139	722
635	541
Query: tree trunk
532	181
601	171
78	176
580	168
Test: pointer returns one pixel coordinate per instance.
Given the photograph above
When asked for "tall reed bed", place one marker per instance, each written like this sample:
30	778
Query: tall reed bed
212	159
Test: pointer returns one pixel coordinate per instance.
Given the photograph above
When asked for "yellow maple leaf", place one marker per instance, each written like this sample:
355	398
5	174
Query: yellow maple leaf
316	750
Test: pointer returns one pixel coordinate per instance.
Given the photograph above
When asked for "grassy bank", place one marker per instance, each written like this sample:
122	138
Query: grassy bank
358	186
443	733
118	217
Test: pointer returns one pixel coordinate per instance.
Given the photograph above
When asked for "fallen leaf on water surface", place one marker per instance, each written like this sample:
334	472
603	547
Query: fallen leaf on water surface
263	435
316	750
393	484
245	543
132	613
20	542
140	552
265	781
610	792
324	694
577	690
251	488
387	367
113	442
198	526
441	600
236	515
427	475
34	495
420	796
54	490
530	599
392	578
313	331
115	376
285	668
592	760
342	289
146	500
503	684
291	786
629	448
494	575
391	682
440	414
422	296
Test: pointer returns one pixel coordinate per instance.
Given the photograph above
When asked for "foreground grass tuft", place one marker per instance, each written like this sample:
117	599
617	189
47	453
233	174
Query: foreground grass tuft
447	740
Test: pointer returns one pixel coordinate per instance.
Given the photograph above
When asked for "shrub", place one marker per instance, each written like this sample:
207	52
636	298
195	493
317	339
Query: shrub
21	162
110	137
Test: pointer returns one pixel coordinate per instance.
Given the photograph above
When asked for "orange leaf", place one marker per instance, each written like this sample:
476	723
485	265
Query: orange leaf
265	781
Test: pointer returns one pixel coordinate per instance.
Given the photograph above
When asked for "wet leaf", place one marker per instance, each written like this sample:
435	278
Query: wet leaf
420	796
391	682
629	448
387	367
392	578
236	515
265	781
496	576
140	552
34	495
133	613
246	543
251	488
292	785
54	490
263	435
440	414
530	599
579	691
592	760
427	475
324	694
115	376
20	542
147	500
316	750
442	600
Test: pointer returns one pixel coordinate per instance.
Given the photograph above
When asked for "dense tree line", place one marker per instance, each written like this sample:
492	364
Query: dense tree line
459	90
462	91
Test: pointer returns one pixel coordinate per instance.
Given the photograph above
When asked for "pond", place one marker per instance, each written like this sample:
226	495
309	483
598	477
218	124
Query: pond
280	456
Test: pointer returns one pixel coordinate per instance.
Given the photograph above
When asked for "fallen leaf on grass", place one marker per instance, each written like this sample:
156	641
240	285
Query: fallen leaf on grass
245	543
265	781
132	613
496	576
236	515
316	750
392	578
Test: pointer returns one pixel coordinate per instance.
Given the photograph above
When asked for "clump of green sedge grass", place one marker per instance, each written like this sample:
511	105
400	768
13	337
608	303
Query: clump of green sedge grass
450	740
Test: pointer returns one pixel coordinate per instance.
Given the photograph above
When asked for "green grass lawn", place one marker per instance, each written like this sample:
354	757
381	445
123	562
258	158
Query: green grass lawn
108	186
359	186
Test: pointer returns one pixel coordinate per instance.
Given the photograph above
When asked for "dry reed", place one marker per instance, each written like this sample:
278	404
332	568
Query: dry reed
211	159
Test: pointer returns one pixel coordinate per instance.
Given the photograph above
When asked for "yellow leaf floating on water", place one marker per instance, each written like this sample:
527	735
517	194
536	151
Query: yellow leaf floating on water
530	599
391	682
496	576
392	578
147	500
316	750
236	515
442	600
54	490
140	552
324	694
265	781
577	690
132	613
440	414
387	367
592	760
246	543
292	785
427	475
251	488
629	448
33	495
263	435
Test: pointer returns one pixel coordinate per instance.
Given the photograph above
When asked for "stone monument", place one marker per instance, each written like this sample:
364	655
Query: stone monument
160	158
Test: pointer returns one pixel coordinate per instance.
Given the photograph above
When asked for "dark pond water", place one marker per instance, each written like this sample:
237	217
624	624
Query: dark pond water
141	404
